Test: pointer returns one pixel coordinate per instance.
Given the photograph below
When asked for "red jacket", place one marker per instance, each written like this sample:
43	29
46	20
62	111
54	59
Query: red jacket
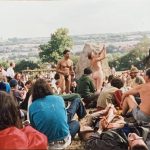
26	138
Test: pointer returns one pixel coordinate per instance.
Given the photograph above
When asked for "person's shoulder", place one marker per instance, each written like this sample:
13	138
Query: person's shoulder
70	60
8	68
59	62
54	96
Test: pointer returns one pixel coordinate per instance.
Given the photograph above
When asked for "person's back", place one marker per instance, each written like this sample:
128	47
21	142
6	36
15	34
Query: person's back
25	138
85	86
48	115
106	97
145	97
12	133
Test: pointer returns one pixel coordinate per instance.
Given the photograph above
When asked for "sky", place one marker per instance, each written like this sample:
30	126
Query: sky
41	18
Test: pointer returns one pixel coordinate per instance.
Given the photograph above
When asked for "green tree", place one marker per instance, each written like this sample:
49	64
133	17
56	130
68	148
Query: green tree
53	50
4	64
24	64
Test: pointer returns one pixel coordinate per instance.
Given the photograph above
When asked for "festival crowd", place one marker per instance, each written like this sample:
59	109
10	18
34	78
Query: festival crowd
108	112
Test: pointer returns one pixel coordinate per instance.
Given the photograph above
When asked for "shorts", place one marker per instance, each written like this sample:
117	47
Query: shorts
140	116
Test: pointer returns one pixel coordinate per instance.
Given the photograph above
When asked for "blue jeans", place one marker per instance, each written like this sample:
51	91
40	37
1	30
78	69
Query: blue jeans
78	108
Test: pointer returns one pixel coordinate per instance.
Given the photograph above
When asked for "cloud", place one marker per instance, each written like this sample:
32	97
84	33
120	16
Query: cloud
40	18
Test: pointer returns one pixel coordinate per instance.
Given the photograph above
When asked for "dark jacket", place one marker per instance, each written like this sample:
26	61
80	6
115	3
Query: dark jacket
85	86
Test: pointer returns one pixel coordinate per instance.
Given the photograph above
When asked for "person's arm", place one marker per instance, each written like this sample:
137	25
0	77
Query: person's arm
91	86
102	54
71	69
58	68
131	92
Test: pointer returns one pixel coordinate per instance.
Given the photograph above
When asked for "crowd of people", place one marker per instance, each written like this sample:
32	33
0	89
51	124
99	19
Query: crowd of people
47	113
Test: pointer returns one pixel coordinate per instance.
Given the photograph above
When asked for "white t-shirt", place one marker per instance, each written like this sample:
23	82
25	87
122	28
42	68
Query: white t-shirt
10	72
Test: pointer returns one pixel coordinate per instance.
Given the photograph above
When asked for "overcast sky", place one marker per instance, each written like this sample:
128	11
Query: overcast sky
41	18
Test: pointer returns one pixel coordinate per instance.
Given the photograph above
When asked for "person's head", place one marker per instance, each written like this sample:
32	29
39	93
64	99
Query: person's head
110	78
12	64
147	75
13	83
57	76
91	54
9	114
17	76
133	72
87	71
117	82
2	86
66	54
28	84
40	89
136	142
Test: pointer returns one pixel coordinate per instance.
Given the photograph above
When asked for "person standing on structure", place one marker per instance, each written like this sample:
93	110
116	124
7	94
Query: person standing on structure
65	69
96	65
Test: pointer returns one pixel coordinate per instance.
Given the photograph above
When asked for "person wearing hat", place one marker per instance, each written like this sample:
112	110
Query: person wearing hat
86	89
134	77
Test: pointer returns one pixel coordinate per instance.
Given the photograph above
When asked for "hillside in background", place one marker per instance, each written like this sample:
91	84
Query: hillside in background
138	57
28	48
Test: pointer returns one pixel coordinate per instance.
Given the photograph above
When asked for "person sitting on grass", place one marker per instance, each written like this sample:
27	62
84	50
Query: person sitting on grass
12	133
48	115
140	112
87	90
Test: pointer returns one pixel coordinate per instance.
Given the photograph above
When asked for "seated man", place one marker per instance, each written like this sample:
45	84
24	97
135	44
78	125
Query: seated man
135	78
48	115
140	112
87	90
107	96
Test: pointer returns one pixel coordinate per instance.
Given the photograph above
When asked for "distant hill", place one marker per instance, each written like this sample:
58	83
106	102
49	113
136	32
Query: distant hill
27	48
138	56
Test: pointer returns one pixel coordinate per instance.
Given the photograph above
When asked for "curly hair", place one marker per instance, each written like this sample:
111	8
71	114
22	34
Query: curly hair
40	89
117	82
9	112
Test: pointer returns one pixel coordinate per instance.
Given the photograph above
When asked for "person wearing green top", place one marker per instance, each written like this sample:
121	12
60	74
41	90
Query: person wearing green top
86	89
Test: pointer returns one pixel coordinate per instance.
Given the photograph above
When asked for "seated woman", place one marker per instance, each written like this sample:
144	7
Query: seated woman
47	114
12	134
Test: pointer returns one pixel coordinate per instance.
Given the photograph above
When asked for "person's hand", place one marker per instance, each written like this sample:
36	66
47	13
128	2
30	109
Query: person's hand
115	125
26	123
72	73
103	123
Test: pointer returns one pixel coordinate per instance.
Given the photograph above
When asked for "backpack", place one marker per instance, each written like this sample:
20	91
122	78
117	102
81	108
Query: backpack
108	140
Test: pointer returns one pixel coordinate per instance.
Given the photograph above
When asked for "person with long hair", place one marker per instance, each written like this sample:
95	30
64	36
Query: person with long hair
48	114
12	133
